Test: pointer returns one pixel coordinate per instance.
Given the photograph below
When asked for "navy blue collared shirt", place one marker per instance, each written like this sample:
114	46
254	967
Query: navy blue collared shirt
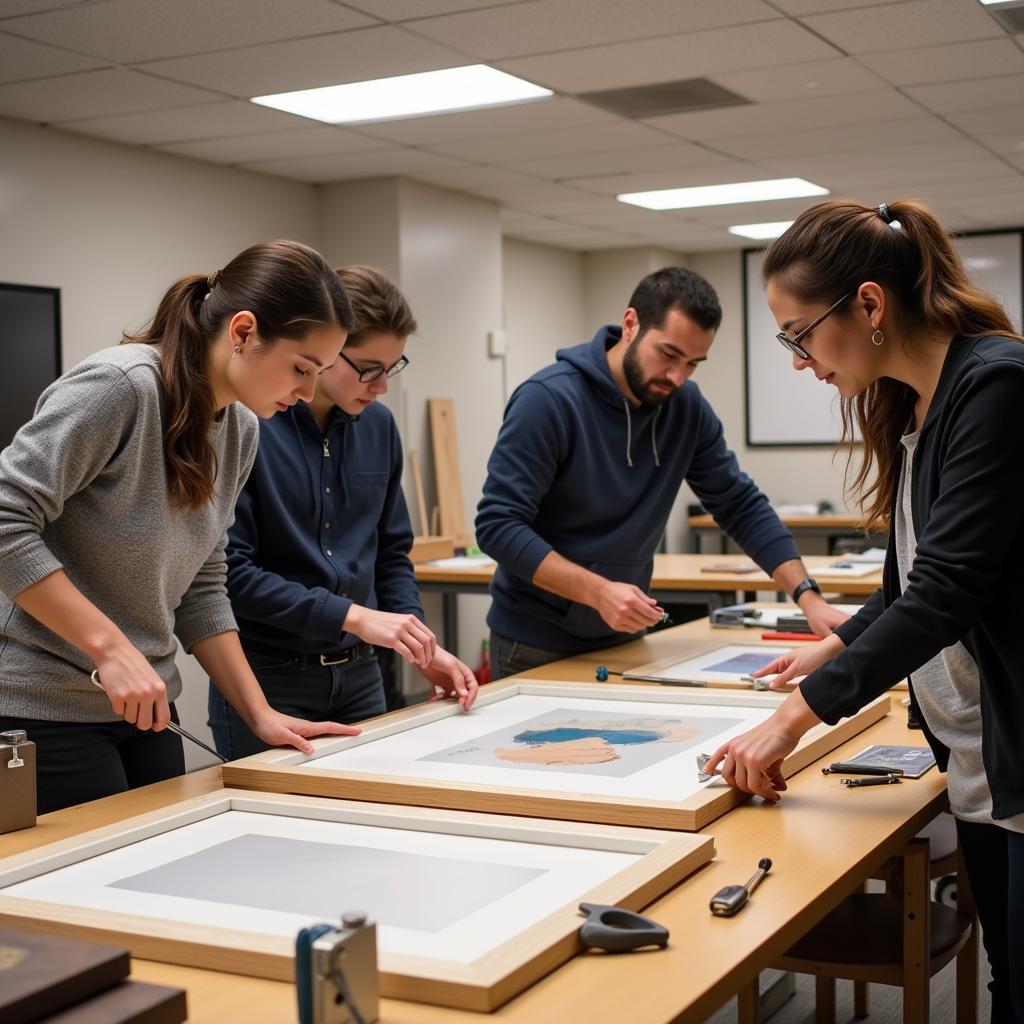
321	524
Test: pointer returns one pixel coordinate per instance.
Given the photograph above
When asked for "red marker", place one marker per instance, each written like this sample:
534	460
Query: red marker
791	636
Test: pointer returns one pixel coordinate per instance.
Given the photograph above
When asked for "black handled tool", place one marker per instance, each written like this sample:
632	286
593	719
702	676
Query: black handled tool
875	780
95	677
851	768
733	898
619	931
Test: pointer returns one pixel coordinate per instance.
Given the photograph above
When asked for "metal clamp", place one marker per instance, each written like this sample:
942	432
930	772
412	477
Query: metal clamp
14	737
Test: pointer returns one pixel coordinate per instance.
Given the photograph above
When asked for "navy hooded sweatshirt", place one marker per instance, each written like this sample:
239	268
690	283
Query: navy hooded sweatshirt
320	524
578	470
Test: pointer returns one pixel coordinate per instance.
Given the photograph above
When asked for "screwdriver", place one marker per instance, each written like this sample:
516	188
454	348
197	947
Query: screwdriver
733	898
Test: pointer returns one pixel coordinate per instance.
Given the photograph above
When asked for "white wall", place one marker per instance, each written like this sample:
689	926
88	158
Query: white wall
112	227
786	475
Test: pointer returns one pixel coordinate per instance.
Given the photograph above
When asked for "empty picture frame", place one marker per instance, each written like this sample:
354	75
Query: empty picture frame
621	755
724	667
470	908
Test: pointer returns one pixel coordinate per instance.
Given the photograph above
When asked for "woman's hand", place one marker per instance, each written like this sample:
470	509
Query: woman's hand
404	634
799	662
453	677
752	762
284	731
822	617
136	692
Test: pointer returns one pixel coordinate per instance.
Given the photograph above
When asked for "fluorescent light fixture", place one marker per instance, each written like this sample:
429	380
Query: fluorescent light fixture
770	229
723	195
998	3
429	92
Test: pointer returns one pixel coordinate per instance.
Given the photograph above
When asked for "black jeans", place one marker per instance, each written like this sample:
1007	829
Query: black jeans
304	689
994	858
80	761
508	657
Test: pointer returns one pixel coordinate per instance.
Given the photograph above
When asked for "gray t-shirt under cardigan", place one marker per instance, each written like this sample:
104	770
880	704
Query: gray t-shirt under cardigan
948	688
83	488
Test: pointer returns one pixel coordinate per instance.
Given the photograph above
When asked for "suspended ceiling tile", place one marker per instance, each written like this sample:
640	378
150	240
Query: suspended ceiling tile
308	63
22	59
836	77
951	63
346	167
1006	145
16	8
828	141
179	124
543	26
641	180
474	177
94	94
535	145
674	57
788	115
998	120
528	193
800	7
982	94
402	10
129	31
904	26
558	112
320	141
619	160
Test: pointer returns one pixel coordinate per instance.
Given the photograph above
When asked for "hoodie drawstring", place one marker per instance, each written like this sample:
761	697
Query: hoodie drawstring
654	436
629	434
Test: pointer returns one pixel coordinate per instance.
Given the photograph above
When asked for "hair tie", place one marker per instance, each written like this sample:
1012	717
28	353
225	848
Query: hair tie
883	211
211	279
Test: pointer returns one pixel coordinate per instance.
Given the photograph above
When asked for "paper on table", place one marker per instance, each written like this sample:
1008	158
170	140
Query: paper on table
462	562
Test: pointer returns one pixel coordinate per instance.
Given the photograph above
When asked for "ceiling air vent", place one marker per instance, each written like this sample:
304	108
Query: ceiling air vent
1009	15
664	98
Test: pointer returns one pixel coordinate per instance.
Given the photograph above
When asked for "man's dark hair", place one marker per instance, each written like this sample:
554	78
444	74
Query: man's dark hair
675	288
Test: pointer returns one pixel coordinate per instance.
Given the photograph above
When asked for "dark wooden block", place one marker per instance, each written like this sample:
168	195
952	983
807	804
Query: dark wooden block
41	974
131	1002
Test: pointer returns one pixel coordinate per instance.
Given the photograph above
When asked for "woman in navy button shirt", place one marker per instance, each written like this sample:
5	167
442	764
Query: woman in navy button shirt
318	557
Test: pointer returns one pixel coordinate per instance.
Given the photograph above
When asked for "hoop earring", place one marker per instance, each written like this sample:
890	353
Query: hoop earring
877	339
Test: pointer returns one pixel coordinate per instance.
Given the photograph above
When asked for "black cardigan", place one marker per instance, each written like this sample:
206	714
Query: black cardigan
964	585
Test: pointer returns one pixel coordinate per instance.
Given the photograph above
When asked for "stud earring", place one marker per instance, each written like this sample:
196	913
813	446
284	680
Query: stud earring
878	338
235	351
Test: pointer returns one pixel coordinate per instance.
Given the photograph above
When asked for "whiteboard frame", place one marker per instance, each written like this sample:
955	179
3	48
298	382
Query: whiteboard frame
755	437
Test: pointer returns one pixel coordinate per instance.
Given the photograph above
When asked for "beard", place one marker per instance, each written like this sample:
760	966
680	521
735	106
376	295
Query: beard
641	386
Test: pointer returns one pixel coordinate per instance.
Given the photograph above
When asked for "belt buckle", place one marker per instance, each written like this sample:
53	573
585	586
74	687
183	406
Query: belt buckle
342	659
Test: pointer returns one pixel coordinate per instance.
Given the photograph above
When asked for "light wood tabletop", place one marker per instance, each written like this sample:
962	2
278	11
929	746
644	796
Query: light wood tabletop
826	520
680	572
823	839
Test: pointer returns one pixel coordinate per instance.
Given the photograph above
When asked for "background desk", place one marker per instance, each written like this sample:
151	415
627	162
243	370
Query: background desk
823	840
677	579
832	527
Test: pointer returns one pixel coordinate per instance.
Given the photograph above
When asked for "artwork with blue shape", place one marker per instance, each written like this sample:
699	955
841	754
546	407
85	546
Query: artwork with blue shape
613	744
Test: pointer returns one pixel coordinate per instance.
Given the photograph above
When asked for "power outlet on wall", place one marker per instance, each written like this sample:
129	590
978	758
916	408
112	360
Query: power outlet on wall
497	344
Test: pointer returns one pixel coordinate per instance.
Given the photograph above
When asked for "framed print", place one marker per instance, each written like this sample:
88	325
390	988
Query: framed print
470	908
728	666
620	755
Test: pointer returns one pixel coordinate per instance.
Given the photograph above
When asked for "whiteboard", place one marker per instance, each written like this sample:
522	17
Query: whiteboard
789	408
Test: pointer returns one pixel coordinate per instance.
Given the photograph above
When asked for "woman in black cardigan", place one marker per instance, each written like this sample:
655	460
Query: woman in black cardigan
875	302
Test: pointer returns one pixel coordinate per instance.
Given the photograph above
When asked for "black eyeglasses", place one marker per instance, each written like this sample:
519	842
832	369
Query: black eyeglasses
376	372
794	344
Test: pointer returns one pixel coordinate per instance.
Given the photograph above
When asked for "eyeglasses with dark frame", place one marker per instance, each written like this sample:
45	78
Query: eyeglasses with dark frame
795	344
373	373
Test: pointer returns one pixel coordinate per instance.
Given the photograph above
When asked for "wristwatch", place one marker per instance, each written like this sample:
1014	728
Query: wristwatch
803	586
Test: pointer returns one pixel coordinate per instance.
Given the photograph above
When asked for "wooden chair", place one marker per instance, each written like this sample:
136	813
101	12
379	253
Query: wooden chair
871	937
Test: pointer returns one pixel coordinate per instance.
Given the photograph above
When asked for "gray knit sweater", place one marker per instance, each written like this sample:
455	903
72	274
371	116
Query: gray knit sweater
83	488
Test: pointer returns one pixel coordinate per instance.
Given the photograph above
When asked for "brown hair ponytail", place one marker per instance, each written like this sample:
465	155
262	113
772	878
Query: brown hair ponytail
288	287
833	248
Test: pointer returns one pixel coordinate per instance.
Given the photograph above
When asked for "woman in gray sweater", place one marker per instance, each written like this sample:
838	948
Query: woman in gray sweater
114	502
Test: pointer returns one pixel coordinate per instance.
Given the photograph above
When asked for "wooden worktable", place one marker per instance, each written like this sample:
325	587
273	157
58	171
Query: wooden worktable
831	526
823	841
677	578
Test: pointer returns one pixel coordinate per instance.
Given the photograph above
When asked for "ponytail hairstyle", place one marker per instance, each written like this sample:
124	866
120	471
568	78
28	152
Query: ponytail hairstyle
833	248
288	287
377	304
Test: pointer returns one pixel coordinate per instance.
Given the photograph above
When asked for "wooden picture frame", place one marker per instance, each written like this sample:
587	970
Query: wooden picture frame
287	771
661	861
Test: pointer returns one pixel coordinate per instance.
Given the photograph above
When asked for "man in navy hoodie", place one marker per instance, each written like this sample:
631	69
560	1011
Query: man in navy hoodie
586	468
